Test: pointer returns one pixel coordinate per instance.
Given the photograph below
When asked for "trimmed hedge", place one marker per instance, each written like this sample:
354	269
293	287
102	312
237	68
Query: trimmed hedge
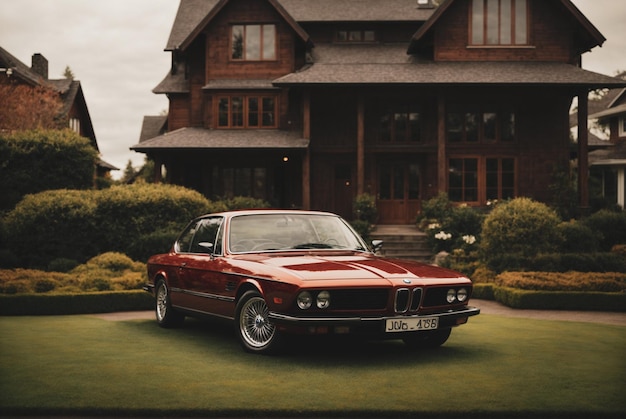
551	300
84	303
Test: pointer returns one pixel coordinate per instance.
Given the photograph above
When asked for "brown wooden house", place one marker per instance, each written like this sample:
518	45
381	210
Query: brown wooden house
73	113
308	103
608	165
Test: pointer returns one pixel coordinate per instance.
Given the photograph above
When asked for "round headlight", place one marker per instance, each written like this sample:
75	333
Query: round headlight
304	300
461	295
323	299
451	296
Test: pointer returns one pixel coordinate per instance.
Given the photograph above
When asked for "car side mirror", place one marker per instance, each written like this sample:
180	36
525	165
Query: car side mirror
377	245
207	246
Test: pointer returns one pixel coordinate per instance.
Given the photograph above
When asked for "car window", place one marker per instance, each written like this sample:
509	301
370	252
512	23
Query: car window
183	243
205	238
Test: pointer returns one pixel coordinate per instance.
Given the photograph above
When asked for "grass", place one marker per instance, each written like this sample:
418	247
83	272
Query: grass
491	367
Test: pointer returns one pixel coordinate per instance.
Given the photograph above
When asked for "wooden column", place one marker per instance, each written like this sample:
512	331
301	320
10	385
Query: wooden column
306	159
360	147
442	175
583	149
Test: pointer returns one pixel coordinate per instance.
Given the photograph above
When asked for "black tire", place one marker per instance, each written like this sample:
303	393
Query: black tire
428	339
166	316
256	333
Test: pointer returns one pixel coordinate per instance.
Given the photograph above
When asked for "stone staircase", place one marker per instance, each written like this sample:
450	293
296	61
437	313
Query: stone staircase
403	242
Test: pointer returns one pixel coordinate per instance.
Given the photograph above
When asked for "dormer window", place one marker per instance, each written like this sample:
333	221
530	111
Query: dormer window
253	42
499	22
356	36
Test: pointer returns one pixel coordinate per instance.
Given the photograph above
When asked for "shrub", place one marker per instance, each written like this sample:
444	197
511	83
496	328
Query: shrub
364	208
570	281
450	227
577	237
53	224
610	226
62	265
521	226
559	262
363	228
40	160
239	202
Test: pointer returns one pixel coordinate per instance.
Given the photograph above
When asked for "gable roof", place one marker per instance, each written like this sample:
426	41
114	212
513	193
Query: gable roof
19	69
594	37
356	10
217	7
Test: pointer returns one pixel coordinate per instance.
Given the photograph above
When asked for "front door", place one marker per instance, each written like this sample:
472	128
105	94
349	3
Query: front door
398	192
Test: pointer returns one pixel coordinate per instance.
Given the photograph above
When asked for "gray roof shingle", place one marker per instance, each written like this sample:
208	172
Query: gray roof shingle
200	138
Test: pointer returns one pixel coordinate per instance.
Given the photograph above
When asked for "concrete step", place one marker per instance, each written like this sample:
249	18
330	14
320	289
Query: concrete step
403	242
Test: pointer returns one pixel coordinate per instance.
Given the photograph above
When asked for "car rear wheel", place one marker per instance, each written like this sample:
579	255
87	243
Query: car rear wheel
428	339
166	316
256	333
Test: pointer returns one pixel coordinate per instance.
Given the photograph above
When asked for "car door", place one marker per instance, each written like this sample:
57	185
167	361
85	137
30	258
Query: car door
200	268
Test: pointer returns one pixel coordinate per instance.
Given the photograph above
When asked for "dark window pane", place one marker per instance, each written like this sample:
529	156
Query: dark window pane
471	127
237	42
268	112
415	127
253	112
385	183
454	125
508	127
414	182
223	112
398	183
489	126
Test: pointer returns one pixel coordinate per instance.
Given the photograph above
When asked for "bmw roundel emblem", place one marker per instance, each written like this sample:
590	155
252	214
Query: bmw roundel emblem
406	281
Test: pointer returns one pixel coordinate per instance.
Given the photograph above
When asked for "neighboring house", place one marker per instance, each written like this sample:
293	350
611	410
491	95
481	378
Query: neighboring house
74	113
309	103
609	165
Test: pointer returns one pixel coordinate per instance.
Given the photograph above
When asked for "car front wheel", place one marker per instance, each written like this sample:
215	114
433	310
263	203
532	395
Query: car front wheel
166	316
256	333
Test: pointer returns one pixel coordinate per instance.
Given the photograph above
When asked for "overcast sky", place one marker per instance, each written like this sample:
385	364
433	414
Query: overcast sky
115	48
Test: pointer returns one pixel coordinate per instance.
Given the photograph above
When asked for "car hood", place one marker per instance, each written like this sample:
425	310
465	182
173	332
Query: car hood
345	267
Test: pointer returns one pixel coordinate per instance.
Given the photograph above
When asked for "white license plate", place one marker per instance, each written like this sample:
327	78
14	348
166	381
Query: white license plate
409	324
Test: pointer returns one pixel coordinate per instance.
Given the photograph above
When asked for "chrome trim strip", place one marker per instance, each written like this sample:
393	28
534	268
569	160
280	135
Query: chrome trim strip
203	295
206	313
466	312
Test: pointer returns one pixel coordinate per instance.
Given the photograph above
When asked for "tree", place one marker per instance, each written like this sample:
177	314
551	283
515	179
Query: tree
25	107
68	73
129	172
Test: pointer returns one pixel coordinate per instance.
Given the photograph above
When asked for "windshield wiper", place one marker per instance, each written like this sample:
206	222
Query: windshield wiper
312	246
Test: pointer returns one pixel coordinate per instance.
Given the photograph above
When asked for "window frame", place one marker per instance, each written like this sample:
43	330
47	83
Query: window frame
246	98
361	38
482	38
621	126
478	133
261	42
482	181
388	132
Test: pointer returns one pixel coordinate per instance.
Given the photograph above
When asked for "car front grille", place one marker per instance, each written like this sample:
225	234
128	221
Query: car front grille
407	299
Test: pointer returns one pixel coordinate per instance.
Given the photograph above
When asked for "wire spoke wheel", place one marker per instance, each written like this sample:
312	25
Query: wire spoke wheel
256	331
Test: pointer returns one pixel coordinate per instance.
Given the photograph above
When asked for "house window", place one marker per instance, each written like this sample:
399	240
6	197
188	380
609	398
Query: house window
481	179
500	178
622	126
499	22
400	125
356	36
75	125
246	112
486	127
463	179
253	42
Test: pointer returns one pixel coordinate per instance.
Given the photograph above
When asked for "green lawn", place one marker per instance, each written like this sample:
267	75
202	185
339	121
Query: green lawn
492	366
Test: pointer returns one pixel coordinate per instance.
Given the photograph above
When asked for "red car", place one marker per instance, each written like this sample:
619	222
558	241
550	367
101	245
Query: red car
279	272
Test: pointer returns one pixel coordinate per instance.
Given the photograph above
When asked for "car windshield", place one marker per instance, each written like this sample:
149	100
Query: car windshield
280	232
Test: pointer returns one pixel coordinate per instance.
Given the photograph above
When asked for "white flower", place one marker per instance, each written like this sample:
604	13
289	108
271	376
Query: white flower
433	226
469	239
442	235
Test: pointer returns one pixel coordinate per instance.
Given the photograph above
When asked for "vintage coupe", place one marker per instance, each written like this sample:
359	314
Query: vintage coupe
281	272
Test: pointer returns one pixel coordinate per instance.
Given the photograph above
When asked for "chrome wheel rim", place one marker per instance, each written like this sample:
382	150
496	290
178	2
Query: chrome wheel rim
255	327
161	302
